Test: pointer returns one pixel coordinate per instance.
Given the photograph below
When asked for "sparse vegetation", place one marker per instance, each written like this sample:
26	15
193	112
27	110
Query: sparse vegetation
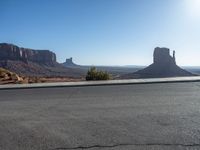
94	74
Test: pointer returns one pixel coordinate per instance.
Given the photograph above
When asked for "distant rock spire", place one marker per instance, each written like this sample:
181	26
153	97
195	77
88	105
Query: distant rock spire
69	62
174	56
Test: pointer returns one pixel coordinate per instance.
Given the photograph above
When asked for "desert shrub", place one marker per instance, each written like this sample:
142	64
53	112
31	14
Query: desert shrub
94	74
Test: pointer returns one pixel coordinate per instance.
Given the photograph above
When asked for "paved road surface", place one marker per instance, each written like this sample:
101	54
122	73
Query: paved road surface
121	117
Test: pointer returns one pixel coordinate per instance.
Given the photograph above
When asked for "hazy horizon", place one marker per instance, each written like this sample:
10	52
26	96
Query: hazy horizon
104	32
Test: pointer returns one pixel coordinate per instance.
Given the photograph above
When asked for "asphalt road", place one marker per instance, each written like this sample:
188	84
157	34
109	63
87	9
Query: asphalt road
122	117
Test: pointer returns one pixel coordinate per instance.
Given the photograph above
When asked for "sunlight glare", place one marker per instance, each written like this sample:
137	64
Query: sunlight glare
193	7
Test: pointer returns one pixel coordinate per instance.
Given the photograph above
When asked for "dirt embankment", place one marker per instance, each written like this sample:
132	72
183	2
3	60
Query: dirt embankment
8	77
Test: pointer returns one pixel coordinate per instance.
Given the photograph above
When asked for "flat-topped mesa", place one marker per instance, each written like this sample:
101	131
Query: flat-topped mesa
69	60
164	65
69	63
162	56
13	52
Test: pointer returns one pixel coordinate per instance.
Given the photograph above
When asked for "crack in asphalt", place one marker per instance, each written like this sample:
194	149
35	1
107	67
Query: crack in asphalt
118	145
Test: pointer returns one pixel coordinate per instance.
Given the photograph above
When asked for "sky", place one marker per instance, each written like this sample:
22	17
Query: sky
104	32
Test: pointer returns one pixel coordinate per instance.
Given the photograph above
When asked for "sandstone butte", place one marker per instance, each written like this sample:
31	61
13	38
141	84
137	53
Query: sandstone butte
42	63
164	65
34	63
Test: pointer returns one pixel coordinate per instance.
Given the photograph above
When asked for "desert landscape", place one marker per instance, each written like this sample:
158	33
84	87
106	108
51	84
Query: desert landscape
25	65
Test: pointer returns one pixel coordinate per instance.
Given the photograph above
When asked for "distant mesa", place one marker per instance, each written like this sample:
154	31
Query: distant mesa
30	62
13	52
42	63
9	77
164	65
69	63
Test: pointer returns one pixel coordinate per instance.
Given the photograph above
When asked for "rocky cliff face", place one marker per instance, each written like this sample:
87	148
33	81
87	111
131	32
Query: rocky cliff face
34	63
162	56
164	65
13	52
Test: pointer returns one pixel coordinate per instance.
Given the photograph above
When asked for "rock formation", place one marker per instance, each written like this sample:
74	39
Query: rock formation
164	65
69	63
9	77
162	56
36	63
13	52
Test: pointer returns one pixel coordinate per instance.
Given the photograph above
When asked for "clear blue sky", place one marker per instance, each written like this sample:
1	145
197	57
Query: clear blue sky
104	32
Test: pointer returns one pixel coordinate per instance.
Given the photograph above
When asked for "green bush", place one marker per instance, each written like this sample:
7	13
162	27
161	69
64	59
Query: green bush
94	74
